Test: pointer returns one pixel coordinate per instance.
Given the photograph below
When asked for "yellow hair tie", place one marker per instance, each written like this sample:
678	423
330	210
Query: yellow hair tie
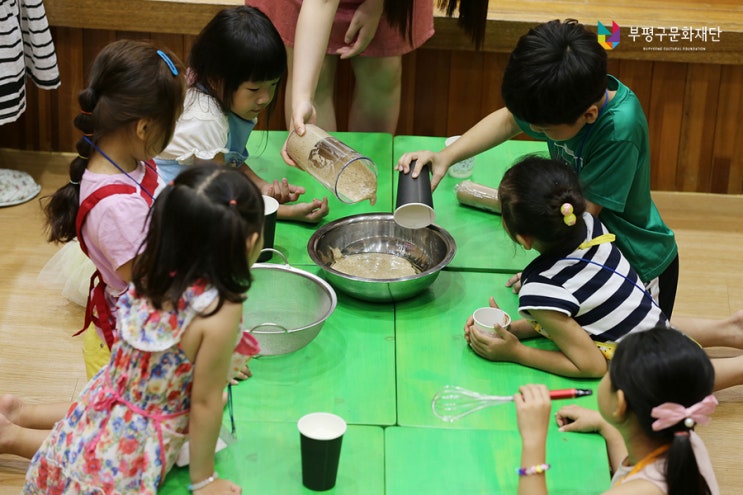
567	212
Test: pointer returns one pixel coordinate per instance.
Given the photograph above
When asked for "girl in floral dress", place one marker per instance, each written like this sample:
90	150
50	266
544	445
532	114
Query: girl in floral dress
178	327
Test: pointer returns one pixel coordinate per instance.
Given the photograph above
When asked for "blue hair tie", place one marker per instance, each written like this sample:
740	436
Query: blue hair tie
169	62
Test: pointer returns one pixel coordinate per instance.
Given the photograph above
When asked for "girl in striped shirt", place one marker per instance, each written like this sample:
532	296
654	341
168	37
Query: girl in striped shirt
580	291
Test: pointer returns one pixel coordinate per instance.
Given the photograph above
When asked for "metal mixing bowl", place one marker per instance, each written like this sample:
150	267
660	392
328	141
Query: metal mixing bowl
286	307
428	249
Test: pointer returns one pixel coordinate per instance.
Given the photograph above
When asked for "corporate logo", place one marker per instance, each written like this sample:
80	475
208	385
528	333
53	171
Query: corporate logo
609	39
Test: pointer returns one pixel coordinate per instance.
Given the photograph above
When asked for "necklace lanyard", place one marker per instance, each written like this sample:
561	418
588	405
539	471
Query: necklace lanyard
645	461
87	139
579	158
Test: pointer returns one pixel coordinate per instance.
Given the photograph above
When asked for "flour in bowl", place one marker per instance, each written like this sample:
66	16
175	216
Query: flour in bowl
374	265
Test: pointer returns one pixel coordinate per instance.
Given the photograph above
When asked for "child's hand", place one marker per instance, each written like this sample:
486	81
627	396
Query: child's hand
311	212
503	346
469	325
437	165
282	191
577	418
533	406
515	283
219	487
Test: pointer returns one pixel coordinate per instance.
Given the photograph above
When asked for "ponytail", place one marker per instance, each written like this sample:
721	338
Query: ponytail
61	207
682	471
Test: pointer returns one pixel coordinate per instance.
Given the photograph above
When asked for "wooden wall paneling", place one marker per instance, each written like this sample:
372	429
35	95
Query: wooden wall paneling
174	42
492	77
664	121
697	134
465	91
72	72
727	164
637	75
405	124
431	92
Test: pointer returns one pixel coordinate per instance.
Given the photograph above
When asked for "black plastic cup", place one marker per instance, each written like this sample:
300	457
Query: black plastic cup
271	208
321	436
414	206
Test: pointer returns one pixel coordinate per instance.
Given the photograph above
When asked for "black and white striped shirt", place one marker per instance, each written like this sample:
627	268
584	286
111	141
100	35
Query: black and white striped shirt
596	286
26	48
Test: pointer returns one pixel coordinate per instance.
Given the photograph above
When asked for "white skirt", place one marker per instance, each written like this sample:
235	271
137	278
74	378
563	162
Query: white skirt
69	270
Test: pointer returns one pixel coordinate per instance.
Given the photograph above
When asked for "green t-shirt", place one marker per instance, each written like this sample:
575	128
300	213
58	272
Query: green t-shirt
612	159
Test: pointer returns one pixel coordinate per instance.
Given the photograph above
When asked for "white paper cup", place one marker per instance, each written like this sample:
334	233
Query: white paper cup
486	318
463	169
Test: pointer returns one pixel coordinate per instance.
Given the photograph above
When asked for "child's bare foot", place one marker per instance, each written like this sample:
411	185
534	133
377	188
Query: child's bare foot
10	407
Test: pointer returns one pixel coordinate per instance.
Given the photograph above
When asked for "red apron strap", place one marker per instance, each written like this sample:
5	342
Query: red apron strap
149	181
91	201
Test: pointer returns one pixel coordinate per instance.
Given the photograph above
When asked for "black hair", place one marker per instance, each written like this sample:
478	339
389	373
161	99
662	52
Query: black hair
473	16
129	81
555	73
198	228
239	44
664	365
532	193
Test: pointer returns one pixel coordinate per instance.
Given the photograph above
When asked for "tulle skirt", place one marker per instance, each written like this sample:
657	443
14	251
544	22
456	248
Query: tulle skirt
69	270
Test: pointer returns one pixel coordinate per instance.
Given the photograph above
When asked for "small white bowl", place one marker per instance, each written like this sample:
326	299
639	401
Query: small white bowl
486	318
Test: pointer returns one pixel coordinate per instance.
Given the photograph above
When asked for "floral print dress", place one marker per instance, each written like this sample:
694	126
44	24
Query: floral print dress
125	431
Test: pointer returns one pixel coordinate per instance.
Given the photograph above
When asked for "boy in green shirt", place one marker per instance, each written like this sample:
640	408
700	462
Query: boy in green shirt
556	89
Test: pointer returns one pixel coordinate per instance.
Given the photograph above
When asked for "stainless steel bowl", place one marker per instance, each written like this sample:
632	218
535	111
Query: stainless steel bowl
429	250
286	307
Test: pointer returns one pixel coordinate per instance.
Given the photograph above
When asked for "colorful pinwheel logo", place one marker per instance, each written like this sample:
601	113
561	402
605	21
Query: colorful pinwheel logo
608	39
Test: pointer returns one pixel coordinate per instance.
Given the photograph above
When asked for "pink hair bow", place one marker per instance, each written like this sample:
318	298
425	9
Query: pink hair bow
670	413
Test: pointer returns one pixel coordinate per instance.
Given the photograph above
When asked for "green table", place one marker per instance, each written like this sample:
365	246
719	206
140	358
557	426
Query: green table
266	459
434	461
291	237
482	244
379	365
349	369
432	352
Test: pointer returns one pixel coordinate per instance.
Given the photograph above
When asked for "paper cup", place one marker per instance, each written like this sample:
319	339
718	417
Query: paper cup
271	207
463	169
414	206
349	175
321	435
486	318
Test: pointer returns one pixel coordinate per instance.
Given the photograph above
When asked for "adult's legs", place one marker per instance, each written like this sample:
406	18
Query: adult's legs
323	101
375	106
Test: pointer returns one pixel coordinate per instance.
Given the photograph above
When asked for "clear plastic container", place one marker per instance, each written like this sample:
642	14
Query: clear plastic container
349	175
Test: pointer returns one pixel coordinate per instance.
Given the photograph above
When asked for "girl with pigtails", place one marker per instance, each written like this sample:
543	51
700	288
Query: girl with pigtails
127	116
580	291
657	389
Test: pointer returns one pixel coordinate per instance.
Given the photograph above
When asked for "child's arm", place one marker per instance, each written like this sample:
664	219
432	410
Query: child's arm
580	419
309	212
491	131
578	355
218	335
533	406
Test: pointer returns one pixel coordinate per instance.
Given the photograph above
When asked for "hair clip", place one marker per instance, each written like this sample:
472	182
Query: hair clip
567	212
232	202
74	183
168	62
86	113
682	433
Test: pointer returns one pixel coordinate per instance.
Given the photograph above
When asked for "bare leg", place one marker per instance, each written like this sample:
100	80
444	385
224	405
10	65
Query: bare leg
728	372
20	441
375	106
714	333
35	416
324	104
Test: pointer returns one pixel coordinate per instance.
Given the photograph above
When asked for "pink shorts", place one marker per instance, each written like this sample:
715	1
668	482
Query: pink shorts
387	42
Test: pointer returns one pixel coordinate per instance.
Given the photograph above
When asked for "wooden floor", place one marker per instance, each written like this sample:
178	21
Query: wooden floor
40	361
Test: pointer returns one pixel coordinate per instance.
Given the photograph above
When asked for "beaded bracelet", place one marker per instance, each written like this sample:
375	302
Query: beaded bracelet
538	469
201	484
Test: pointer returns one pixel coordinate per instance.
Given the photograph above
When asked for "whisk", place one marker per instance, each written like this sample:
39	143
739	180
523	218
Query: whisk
452	402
